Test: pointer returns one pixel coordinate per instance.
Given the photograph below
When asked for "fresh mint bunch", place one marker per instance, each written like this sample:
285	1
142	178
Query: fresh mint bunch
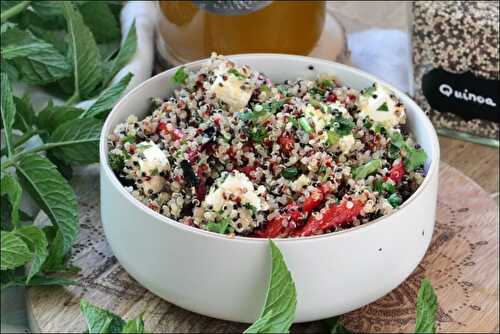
72	50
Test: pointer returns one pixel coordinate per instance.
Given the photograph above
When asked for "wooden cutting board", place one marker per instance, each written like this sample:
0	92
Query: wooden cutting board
462	263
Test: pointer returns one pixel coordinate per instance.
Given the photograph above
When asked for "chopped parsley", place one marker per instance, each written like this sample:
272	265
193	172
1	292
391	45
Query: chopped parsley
116	162
290	173
250	207
265	88
395	200
237	74
414	158
258	133
369	91
332	138
342	126
129	138
222	226
180	76
383	107
389	187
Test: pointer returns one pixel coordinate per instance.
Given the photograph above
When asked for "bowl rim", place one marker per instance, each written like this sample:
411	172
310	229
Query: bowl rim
409	103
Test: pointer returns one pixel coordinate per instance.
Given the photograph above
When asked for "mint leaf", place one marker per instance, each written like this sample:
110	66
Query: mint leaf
47	8
101	21
219	227
126	53
12	189
335	327
57	38
14	251
56	259
8	112
383	107
415	158
343	126
38	61
426	308
51	117
106	101
281	300
52	193
37	243
81	138
134	326
180	76
9	278
25	116
83	52
100	320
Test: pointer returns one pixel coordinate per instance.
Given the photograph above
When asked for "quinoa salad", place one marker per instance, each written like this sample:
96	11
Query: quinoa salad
232	152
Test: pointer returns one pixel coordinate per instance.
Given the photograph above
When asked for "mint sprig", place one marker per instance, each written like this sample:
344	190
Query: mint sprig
281	300
72	50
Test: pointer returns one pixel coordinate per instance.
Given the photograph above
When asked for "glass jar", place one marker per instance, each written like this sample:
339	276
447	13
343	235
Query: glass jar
190	30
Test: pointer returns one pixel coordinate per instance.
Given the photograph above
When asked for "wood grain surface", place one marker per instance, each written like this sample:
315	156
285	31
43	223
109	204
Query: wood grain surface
462	263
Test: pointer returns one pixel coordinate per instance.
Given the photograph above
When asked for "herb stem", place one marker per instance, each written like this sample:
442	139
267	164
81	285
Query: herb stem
73	99
23	139
14	10
44	147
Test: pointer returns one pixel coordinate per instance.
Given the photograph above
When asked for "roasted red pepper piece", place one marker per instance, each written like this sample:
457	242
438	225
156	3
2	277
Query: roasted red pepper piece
247	170
316	198
276	227
335	215
397	172
286	142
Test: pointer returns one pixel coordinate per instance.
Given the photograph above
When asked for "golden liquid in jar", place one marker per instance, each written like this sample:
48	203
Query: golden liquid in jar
191	33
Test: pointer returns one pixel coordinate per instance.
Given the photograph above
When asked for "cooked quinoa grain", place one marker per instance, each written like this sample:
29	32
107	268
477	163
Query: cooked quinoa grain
234	153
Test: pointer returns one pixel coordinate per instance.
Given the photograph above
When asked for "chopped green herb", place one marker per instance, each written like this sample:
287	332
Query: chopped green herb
294	122
258	133
370	90
237	74
265	88
367	123
116	162
290	173
342	126
326	83
333	138
368	168
395	200
180	76
282	90
250	207
222	226
129	138
383	107
389	187
379	128
305	125
378	185
415	158
393	151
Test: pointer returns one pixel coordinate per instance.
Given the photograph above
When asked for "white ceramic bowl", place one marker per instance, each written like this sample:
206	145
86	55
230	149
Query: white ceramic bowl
226	277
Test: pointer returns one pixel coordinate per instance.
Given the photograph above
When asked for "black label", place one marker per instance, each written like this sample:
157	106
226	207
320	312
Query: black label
462	94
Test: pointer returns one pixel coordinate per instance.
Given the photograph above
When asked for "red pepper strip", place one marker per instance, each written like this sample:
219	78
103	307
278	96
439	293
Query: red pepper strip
274	227
397	172
316	198
335	215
